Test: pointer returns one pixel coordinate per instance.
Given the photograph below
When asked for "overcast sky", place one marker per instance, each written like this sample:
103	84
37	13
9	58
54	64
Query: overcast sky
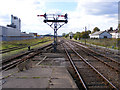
90	13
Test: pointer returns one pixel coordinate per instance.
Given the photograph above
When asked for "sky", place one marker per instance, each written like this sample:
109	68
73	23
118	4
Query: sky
90	13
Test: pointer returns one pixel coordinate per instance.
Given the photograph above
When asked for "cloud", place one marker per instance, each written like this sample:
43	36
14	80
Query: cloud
26	10
101	8
101	13
95	13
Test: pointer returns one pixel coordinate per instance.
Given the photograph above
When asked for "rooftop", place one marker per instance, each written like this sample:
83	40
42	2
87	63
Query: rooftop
98	33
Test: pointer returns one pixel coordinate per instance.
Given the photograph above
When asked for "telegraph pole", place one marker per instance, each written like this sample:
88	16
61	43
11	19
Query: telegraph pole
57	22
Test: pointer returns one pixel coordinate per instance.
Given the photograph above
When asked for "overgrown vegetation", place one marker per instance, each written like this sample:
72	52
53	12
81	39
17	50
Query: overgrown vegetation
84	36
78	35
22	43
96	29
108	43
19	51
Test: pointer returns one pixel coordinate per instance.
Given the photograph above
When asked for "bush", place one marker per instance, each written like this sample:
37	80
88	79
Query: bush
75	37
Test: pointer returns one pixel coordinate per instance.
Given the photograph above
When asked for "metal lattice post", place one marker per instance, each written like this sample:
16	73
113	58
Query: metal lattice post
56	24
55	36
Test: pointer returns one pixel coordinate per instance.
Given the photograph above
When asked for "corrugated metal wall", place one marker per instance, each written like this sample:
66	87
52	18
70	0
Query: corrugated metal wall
9	34
15	38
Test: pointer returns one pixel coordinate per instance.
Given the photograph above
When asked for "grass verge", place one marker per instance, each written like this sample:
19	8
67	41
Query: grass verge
16	52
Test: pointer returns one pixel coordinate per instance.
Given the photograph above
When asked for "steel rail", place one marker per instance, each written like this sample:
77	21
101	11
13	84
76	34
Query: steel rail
10	49
32	54
99	54
20	55
75	68
106	57
99	59
14	63
104	78
102	61
15	57
17	48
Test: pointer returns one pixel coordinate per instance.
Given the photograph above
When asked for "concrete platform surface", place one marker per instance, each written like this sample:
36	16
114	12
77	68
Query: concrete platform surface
41	77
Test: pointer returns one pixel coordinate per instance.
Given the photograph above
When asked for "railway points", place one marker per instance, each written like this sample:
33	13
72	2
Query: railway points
43	68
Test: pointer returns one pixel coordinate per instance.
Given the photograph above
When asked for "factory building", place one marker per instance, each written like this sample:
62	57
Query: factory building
13	31
15	21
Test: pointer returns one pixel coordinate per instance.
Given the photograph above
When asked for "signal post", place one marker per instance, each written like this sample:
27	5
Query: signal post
55	21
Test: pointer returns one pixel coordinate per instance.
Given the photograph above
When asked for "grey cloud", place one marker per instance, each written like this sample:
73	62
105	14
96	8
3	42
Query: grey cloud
102	8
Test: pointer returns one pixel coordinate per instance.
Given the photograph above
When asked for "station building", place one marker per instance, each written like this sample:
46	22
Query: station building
13	31
115	33
100	35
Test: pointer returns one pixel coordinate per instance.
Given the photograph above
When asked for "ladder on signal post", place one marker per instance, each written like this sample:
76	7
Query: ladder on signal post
55	21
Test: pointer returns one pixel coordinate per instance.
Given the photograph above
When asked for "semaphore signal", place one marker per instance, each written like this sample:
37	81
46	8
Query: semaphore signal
57	21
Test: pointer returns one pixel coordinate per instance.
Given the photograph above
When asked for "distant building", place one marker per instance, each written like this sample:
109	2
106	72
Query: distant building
100	35
71	35
13	31
115	33
34	34
15	23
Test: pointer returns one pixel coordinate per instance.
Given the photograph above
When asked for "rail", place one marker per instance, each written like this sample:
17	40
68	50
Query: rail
104	78
75	68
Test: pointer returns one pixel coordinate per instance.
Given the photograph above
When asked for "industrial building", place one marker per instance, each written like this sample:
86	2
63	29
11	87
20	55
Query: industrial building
13	31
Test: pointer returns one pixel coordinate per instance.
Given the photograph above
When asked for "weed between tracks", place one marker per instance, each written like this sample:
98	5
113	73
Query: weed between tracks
22	43
16	52
26	77
108	43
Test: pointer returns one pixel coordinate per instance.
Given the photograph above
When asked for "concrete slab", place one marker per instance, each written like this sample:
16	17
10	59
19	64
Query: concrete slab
24	82
61	79
41	77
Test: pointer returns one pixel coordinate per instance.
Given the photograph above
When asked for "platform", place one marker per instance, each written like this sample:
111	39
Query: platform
41	77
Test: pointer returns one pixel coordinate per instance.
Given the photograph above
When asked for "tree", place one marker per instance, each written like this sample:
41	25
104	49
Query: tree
95	29
111	28
66	35
85	34
77	35
63	34
88	31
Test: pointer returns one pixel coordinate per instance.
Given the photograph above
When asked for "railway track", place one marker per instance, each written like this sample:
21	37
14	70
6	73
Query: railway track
109	54
9	49
103	52
100	57
107	66
88	75
12	62
91	73
111	57
17	48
